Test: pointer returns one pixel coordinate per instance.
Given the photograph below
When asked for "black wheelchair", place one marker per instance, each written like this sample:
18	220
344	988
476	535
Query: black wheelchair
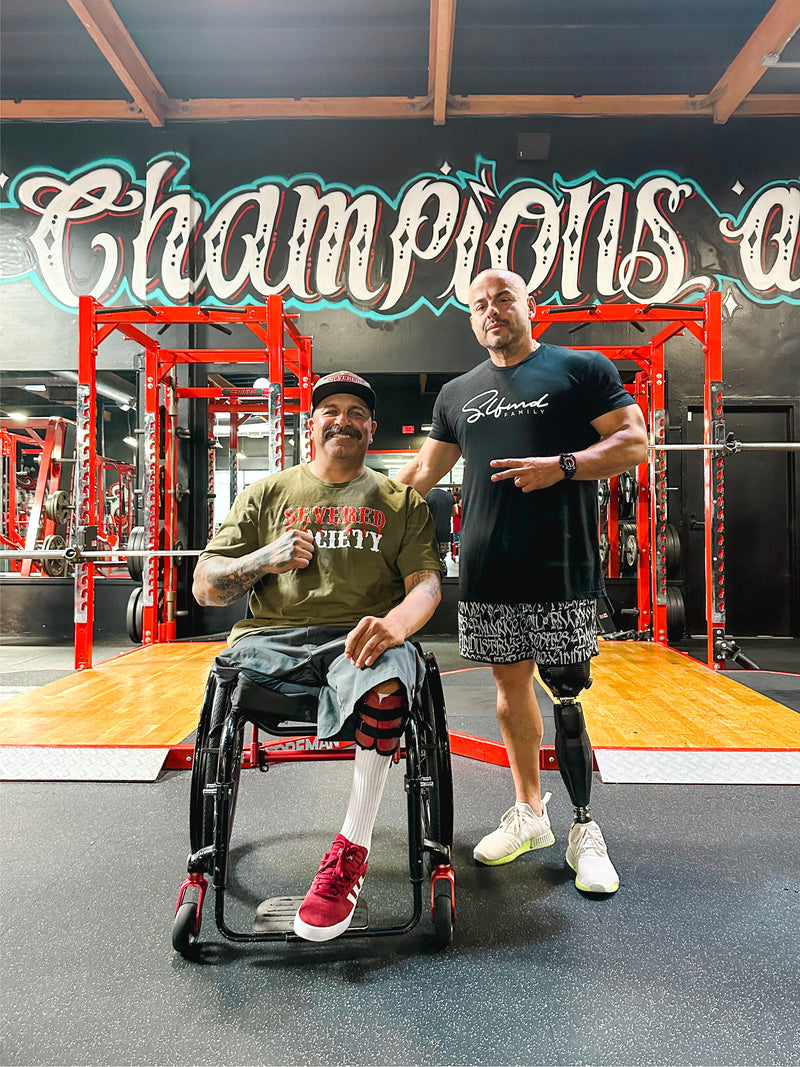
232	700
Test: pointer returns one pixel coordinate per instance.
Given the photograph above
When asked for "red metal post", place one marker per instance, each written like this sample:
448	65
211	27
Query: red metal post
152	497
275	417
658	496
85	484
167	626
643	538
714	480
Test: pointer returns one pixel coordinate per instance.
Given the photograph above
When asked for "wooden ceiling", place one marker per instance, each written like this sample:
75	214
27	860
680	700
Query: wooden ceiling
222	60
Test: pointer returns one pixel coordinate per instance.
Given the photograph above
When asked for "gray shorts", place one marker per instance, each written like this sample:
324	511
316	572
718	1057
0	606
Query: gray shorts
310	660
550	634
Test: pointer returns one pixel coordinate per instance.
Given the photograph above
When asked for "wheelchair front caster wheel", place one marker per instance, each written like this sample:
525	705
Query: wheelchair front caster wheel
443	911
185	929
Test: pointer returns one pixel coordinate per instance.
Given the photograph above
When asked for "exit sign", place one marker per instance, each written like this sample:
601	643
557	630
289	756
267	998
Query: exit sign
408	429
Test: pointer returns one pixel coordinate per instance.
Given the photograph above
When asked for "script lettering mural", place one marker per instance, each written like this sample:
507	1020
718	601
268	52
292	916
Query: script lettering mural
152	237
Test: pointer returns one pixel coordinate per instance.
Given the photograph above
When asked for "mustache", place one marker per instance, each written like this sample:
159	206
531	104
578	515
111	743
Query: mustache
345	431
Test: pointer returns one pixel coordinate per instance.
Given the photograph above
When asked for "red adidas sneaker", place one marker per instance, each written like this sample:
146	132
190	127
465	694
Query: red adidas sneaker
329	904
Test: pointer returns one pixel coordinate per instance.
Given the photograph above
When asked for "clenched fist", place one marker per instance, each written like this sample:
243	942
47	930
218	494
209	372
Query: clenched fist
291	551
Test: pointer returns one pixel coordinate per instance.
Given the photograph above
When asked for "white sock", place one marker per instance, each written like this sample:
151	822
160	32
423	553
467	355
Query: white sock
369	778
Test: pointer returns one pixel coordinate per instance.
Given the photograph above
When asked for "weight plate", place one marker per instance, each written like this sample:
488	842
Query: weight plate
603	549
55	568
627	487
672	550
134	615
676	614
631	550
628	547
603	494
56	507
136	544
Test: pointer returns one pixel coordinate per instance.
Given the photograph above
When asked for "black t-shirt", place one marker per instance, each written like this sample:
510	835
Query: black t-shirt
441	505
528	547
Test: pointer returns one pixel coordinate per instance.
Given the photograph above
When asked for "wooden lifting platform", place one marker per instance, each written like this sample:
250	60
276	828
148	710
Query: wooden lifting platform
654	715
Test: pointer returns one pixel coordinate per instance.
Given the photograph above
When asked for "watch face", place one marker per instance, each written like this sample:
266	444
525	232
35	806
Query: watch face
568	464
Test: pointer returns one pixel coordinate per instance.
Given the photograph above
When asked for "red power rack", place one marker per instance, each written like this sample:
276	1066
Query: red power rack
704	321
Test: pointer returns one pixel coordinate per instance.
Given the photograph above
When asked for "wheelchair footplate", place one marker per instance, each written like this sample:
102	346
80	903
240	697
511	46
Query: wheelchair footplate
276	915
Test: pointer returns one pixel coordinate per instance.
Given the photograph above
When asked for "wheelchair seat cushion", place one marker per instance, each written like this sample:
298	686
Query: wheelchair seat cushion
267	706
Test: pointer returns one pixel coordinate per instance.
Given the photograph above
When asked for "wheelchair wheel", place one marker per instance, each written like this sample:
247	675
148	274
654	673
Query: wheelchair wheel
437	803
443	909
185	930
216	705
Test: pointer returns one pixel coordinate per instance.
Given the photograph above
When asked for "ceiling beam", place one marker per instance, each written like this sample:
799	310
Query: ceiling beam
400	107
771	36
109	33
440	56
306	107
775	104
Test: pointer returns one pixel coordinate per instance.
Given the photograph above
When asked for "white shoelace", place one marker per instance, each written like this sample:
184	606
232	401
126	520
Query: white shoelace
590	839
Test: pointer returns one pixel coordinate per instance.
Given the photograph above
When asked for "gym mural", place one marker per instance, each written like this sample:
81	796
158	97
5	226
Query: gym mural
124	236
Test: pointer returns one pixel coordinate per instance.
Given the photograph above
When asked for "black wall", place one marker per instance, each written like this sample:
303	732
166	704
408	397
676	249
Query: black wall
742	176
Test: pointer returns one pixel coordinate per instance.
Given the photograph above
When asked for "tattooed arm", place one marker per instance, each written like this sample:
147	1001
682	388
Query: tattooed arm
222	580
372	636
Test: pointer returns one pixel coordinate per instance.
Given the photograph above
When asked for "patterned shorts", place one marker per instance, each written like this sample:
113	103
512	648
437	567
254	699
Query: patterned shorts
550	634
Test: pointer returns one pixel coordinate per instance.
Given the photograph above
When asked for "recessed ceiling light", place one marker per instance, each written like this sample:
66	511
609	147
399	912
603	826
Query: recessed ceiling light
36	388
18	416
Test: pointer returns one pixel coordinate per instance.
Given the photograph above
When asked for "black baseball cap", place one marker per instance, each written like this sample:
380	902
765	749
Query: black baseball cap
343	381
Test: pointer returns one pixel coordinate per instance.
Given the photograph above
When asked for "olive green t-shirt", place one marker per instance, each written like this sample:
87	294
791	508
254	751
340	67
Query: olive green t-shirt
369	534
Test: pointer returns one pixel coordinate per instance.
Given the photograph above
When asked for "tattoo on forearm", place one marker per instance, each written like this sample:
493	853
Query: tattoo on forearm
231	579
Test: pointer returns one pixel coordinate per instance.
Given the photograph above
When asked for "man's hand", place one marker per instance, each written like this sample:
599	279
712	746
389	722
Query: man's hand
533	472
291	551
370	638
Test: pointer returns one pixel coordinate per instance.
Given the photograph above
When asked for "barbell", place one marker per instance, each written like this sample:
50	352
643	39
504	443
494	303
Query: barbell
730	446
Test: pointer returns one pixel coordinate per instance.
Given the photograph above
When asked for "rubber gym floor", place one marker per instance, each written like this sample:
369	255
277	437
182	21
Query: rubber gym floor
693	961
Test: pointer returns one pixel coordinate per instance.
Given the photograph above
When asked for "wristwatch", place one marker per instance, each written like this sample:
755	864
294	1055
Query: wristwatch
568	465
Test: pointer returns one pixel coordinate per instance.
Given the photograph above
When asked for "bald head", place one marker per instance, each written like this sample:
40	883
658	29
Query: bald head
507	278
500	315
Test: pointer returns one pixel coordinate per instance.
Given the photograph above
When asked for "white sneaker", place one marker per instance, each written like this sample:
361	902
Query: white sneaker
587	855
520	830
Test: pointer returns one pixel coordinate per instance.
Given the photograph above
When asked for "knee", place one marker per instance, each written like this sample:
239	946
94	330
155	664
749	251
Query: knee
381	718
566	681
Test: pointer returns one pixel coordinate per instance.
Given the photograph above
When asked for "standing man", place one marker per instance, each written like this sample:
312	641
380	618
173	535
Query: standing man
529	563
341	569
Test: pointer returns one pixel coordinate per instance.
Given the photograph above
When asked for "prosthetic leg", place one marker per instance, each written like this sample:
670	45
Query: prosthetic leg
573	747
586	854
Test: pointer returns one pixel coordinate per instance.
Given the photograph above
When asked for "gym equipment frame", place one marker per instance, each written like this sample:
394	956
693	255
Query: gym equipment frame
704	321
269	325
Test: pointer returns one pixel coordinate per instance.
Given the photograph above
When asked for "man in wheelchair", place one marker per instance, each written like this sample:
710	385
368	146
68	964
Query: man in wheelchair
342	567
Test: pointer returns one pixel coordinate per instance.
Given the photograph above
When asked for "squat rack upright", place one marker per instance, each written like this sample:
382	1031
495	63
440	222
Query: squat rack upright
704	321
270	325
